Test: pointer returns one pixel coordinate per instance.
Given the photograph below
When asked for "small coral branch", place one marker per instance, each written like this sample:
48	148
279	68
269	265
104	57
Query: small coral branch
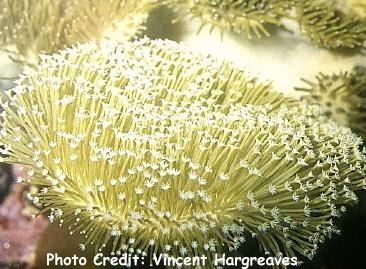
342	96
333	24
147	147
251	17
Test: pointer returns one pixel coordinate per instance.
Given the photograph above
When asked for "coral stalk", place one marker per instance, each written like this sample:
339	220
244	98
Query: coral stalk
144	146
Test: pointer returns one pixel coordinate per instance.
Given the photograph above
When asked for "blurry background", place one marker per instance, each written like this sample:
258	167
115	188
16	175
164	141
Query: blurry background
284	57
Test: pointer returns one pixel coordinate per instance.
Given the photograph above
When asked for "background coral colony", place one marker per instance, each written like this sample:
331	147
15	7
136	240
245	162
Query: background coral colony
189	134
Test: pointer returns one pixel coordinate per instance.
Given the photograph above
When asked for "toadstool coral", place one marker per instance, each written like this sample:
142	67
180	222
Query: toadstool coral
343	96
144	146
34	26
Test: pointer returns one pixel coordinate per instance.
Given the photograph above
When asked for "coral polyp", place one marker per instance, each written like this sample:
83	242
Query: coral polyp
35	26
144	146
343	97
251	17
333	24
